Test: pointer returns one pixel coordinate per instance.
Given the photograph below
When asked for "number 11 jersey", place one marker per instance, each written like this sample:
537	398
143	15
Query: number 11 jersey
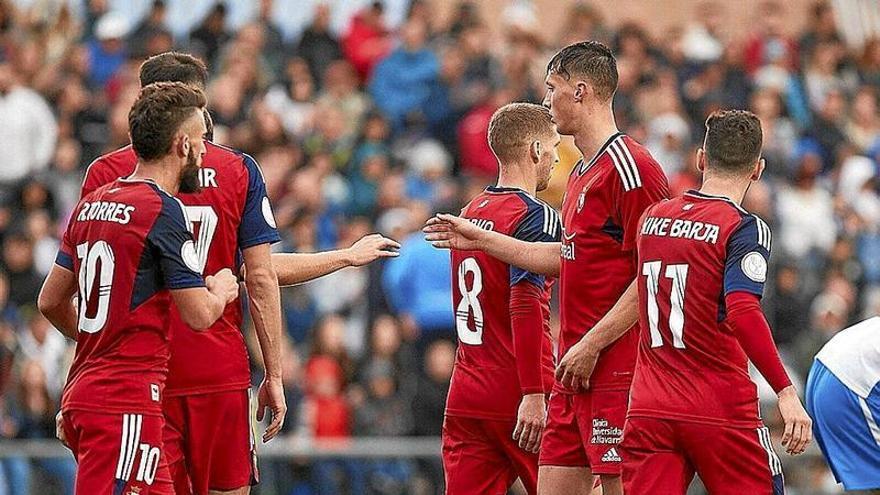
485	381
692	252
230	213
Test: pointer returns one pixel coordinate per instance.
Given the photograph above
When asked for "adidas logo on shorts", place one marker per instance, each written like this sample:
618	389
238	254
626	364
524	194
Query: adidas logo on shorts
611	456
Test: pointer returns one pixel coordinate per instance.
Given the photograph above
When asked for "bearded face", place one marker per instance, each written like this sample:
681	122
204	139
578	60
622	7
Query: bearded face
189	174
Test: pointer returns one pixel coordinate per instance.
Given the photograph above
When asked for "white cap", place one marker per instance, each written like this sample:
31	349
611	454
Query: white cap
110	26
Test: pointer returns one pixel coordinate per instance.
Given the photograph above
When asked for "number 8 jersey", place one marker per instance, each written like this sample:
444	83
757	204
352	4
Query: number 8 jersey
128	244
692	252
486	379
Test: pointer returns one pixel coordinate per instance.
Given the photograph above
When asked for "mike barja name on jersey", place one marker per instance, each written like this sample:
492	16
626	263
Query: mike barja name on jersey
682	229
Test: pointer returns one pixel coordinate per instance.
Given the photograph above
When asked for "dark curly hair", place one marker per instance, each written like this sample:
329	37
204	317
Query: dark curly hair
158	113
174	67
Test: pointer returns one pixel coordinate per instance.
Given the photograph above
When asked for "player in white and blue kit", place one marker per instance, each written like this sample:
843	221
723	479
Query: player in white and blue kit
843	397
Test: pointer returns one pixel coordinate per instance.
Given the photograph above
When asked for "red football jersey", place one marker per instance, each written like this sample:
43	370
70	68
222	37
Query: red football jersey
485	382
127	243
693	251
604	200
230	213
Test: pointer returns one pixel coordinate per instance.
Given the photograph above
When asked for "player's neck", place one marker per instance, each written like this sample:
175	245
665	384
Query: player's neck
595	132
512	175
729	187
163	174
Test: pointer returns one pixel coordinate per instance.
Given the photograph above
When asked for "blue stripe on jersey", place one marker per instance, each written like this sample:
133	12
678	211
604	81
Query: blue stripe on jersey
257	221
540	224
64	260
162	264
748	254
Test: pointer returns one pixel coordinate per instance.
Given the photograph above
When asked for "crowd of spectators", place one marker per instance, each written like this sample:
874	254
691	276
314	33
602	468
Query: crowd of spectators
369	124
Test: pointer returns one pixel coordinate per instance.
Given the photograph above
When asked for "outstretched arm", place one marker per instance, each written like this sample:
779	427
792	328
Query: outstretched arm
298	268
451	232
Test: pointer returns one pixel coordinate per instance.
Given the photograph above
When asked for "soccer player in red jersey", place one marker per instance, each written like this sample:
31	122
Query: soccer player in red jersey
129	254
702	266
233	222
605	197
495	411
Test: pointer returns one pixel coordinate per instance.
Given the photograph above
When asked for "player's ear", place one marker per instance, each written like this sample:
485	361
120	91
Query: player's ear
580	91
184	145
535	151
759	169
701	160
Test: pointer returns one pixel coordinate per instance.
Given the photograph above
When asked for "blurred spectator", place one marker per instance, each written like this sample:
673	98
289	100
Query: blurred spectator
869	63
806	212
405	80
152	26
779	133
317	46
863	128
367	40
209	37
40	342
769	41
27	130
18	261
107	52
822	29
702	40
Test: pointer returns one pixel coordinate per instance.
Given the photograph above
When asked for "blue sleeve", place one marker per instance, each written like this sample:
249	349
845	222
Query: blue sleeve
173	244
257	220
64	260
748	253
540	224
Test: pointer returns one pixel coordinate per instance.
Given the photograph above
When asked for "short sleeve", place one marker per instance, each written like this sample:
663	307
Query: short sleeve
66	251
257	220
640	185
748	254
174	247
541	223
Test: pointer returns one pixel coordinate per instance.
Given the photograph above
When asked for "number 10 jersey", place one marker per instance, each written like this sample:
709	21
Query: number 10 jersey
231	213
127	243
692	252
485	382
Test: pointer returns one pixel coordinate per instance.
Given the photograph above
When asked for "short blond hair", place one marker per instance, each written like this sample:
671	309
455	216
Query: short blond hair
515	126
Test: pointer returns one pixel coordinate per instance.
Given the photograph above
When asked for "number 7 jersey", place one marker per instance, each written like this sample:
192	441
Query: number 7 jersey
230	213
692	252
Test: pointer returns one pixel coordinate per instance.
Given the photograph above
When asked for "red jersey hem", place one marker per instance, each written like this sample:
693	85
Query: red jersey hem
206	390
669	416
481	415
153	410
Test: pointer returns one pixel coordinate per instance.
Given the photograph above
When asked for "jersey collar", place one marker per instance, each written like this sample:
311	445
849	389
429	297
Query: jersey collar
702	195
583	166
502	190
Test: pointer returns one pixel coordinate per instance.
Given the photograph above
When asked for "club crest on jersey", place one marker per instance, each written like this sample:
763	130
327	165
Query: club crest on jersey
582	198
754	266
483	203
687	207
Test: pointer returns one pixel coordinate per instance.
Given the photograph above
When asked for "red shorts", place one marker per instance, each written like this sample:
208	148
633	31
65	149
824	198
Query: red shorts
117	453
584	430
661	456
209	442
480	457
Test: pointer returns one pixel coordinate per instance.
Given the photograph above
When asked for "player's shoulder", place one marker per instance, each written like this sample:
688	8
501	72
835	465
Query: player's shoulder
119	162
743	223
634	165
229	159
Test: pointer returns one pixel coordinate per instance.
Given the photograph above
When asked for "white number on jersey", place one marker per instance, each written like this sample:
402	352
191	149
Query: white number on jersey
469	304
89	258
678	273
207	218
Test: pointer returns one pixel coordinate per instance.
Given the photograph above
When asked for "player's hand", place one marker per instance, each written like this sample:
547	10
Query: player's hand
59	429
530	422
577	366
271	396
223	284
370	248
798	425
447	231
